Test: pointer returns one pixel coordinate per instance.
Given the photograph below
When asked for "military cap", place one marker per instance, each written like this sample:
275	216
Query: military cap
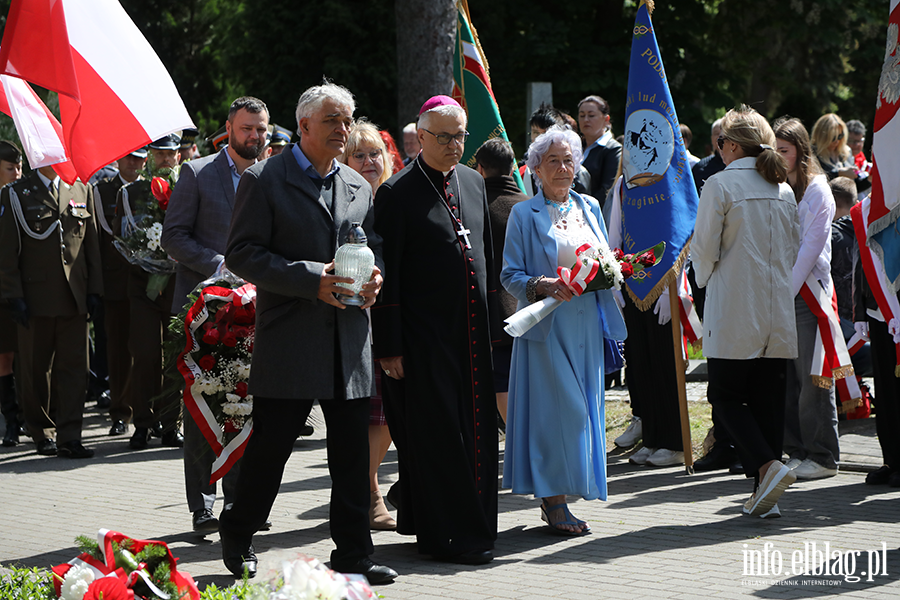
187	138
169	142
280	136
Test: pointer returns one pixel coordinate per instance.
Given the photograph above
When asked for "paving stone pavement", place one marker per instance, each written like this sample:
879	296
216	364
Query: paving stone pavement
662	534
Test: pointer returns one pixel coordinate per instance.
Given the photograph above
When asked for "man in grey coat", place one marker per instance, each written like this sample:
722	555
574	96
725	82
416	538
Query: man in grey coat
291	213
194	233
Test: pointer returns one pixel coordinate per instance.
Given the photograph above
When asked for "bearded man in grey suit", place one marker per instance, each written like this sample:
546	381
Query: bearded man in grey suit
194	233
291	213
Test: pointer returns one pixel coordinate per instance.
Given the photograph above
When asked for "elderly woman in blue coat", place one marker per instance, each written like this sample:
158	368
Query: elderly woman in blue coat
555	437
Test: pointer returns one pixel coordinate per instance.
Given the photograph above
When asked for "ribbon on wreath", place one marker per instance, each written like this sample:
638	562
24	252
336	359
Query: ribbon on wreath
196	404
831	360
582	272
875	275
691	328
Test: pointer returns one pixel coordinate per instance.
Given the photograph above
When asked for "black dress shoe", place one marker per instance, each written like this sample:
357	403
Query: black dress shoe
118	428
74	449
266	526
173	439
720	456
46	447
104	401
307	430
204	521
239	558
736	468
880	476
473	557
11	437
894	479
156	431
140	439
376	574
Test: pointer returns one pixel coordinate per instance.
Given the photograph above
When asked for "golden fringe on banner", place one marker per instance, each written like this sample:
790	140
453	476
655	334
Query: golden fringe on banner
897	371
649	4
668	279
484	62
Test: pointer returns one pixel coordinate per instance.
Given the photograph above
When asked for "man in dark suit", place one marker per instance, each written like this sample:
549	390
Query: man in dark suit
52	278
195	233
432	335
291	213
115	291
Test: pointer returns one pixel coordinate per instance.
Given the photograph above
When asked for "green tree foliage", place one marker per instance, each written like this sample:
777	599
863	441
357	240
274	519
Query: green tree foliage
802	57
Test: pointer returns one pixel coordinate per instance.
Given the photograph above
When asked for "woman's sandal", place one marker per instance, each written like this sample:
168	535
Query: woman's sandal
570	520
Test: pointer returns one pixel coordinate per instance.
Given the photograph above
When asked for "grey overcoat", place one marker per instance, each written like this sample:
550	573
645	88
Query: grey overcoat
197	220
282	235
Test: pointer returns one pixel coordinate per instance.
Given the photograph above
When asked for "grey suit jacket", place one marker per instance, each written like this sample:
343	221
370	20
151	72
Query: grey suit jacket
282	235
197	219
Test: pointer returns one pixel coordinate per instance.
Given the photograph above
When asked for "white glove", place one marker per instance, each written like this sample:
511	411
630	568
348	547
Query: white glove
620	299
894	329
663	309
862	328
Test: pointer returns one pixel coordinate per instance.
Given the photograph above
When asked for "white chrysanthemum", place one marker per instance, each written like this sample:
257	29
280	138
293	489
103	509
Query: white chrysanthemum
76	583
237	409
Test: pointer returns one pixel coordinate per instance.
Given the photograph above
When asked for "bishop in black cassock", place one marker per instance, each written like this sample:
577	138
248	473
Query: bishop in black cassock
433	312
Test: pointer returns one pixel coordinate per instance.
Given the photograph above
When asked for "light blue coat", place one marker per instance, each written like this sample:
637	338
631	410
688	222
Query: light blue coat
555	437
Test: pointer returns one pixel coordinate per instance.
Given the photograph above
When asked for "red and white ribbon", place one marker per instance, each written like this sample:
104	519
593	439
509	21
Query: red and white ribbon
830	357
691	328
198	314
583	272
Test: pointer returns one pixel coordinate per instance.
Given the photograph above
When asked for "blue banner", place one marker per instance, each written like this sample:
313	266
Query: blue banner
659	200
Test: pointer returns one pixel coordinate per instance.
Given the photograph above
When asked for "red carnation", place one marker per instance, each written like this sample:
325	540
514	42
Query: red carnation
627	270
207	362
211	337
108	588
229	339
161	191
617	252
647	259
241	389
242	332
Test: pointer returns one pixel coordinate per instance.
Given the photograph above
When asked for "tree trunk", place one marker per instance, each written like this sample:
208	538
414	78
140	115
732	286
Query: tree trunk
426	32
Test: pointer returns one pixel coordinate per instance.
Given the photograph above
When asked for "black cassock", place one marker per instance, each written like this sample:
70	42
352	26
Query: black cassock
433	311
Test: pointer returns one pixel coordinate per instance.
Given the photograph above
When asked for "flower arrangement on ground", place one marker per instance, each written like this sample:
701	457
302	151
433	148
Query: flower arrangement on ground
117	567
214	334
596	268
306	578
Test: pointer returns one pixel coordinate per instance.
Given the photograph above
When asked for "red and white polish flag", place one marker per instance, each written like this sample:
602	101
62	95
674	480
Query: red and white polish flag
115	95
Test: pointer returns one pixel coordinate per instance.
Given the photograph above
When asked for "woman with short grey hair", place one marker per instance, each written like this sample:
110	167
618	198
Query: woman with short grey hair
555	430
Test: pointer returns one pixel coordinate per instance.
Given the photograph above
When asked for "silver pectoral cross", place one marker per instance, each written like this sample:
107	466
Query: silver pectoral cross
464	234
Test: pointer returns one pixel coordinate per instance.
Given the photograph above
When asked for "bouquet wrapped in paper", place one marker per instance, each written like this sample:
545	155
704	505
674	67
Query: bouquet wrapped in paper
216	331
144	203
596	268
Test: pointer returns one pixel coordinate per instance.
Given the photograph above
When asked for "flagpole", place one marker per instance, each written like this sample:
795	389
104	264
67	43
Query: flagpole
674	305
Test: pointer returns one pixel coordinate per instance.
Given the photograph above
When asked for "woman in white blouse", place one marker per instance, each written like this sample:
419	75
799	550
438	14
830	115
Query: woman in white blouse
811	423
555	430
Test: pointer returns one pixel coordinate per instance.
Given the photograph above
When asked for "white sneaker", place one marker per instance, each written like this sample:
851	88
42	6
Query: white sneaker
810	469
774	513
631	435
666	458
793	463
640	457
777	479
